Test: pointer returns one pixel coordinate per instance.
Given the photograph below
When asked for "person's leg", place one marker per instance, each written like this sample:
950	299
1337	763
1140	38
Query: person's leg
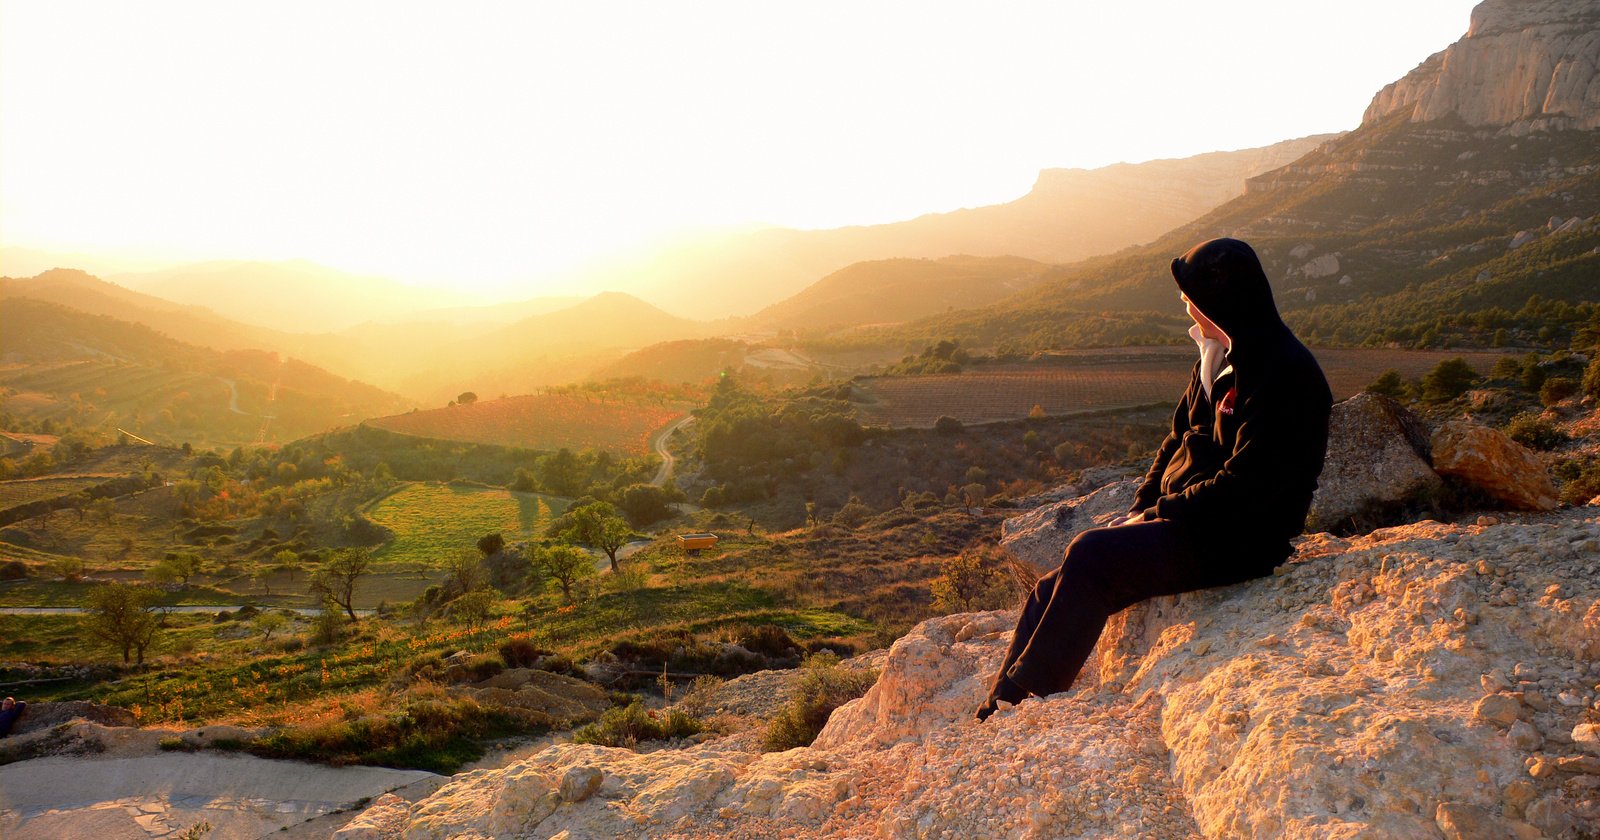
1105	571
1033	607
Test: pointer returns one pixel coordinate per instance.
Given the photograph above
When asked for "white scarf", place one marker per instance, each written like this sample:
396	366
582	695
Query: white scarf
1213	354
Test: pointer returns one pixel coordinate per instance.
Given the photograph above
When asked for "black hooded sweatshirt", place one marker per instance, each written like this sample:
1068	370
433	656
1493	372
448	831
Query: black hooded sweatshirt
1238	470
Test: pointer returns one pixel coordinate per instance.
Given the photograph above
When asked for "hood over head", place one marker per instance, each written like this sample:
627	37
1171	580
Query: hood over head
1224	280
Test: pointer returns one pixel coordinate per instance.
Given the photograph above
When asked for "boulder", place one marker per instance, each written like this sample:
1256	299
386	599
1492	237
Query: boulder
1488	460
1040	536
1376	467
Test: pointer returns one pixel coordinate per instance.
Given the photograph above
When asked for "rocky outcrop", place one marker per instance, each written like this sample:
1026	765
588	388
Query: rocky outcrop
1040	536
1376	464
1485	458
539	697
1427	680
1523	63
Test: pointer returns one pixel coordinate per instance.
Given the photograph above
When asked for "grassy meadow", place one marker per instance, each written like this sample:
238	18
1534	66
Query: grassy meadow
432	521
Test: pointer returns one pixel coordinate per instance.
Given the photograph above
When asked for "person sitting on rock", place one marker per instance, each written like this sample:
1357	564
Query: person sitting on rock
10	710
1230	486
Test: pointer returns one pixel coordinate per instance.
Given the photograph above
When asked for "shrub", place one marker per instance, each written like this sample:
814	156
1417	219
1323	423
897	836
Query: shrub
1535	432
1392	385
626	726
1449	379
947	425
1557	388
1591	377
644	504
824	686
1580	480
13	570
521	652
769	640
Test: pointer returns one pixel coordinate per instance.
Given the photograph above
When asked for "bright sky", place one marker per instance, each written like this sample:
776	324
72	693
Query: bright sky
492	145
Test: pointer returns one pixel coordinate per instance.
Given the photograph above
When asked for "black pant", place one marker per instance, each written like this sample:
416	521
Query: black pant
1107	570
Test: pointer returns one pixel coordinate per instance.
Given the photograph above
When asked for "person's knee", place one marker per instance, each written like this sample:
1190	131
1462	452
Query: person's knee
1090	557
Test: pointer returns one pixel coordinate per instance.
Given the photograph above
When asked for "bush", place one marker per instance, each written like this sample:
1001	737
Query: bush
1591	376
824	686
1535	432
1580	480
13	570
521	652
644	504
769	640
1392	385
947	425
626	726
1449	379
1557	388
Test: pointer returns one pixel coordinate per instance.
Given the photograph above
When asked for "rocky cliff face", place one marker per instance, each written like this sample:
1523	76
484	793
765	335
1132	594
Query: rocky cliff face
1528	64
1423	681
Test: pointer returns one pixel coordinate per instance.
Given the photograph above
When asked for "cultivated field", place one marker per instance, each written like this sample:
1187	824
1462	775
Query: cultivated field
1091	380
432	522
14	493
544	421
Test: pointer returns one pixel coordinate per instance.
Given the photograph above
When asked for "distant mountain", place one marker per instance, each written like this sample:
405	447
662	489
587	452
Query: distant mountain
294	296
93	371
1469	194
891	291
1070	214
192	324
548	349
492	313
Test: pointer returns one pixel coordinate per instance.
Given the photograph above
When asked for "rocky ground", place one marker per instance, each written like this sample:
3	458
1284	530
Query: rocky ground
1427	680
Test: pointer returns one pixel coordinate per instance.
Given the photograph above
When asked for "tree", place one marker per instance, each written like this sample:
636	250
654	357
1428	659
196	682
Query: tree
336	580
288	561
973	494
120	614
177	566
644	504
1389	384
963	580
466	398
597	525
564	564
104	509
473	607
268	623
491	544
1449	379
70	568
465	573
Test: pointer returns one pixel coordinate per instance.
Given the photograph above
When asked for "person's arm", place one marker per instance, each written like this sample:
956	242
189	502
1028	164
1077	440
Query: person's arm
1150	489
1282	436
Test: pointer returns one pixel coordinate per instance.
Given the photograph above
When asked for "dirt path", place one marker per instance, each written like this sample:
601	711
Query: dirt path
659	443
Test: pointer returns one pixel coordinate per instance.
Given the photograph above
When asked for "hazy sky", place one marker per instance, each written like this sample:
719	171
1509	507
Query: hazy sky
490	145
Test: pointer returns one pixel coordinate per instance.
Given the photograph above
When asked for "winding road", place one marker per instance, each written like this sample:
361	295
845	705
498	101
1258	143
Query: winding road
659	443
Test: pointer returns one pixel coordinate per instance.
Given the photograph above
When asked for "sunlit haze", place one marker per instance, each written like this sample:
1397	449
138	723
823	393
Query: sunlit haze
498	147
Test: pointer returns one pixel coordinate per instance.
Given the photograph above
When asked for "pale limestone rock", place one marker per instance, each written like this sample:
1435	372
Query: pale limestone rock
1587	736
1499	709
1469	822
1523	64
1524	736
580	783
1323	266
1040	537
1486	458
1376	462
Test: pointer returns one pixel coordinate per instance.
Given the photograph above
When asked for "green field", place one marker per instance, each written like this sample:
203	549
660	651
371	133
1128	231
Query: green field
433	521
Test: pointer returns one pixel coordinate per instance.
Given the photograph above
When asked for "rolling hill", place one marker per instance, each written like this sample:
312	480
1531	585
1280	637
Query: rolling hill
77	370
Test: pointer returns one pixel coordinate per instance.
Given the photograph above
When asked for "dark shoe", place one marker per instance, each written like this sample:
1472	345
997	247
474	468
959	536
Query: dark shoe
1004	691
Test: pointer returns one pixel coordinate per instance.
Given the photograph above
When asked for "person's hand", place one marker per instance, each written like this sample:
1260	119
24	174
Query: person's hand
1121	520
